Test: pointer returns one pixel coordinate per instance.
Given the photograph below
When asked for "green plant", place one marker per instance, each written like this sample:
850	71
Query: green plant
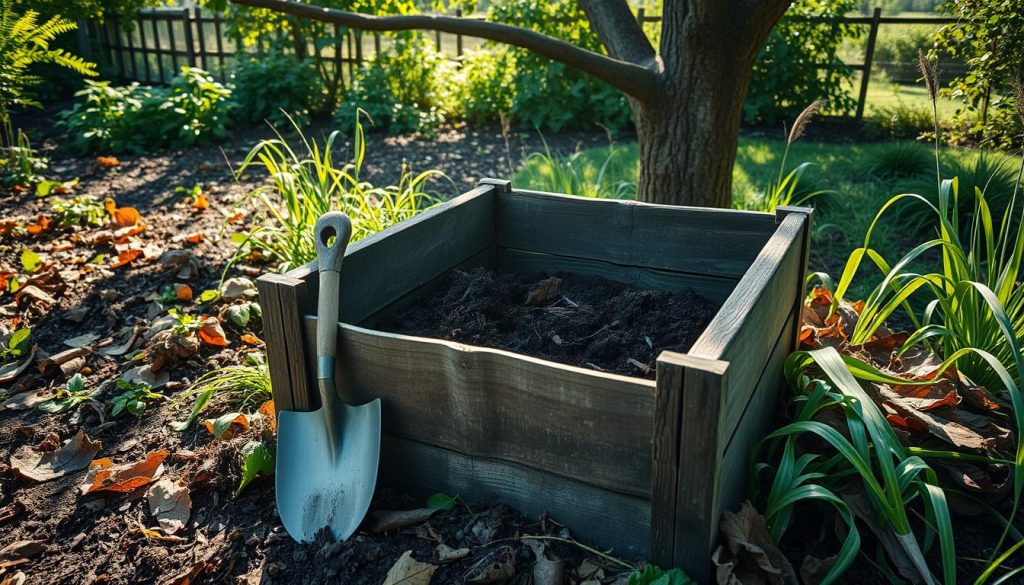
577	175
800	64
24	43
404	89
899	120
78	210
899	160
133	398
184	323
653	575
245	386
305	185
273	87
70	396
257	459
20	164
15	344
136	118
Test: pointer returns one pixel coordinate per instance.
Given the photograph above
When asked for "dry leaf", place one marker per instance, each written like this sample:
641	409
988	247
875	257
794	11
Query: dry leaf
128	335
409	571
26	400
194	238
147	375
269	415
545	570
447	554
386	520
126	257
497	567
250	339
201	203
228	426
211	333
748	554
236	288
170	504
105	476
9	372
126	216
74	455
22	549
82	340
107	162
33	295
546	290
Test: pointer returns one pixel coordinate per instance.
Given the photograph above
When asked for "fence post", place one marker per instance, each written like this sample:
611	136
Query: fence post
82	36
143	48
869	55
458	37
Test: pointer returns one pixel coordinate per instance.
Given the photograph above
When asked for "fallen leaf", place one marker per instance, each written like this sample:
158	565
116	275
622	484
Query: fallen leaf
170	504
82	340
227	426
202	202
211	333
25	400
74	455
33	295
236	288
126	257
749	554
157	535
545	570
14	369
387	520
105	476
546	290
447	554
146	375
128	336
497	567
194	238
107	162
269	415
409	571
126	216
250	339
22	549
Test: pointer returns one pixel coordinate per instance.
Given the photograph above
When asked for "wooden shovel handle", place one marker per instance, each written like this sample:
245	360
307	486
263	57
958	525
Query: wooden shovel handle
333	230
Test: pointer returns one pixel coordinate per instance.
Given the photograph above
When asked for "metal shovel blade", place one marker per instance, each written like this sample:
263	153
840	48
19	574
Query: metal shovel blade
326	473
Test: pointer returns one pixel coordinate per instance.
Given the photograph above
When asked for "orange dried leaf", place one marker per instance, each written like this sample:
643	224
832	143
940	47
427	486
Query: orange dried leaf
211	333
105	476
126	216
201	202
269	415
183	292
126	257
107	161
194	238
248	339
228	426
110	206
41	225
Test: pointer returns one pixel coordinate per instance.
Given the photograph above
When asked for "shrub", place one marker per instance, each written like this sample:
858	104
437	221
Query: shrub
900	160
273	87
404	89
487	77
899	120
305	185
137	118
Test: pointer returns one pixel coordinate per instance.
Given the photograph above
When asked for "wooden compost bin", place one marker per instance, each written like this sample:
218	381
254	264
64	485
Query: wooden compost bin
646	467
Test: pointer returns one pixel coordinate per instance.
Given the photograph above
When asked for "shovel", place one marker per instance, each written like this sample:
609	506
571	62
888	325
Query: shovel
327	458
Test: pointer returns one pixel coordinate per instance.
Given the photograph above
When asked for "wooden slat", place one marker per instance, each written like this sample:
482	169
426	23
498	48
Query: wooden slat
715	289
760	304
599	517
754	424
665	460
696	517
283	300
712	242
578	423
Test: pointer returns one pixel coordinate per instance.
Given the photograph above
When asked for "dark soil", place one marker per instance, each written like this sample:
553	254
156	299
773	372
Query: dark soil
579	320
227	538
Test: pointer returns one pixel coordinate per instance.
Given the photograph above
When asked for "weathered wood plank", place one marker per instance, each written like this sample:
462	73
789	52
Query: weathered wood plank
273	334
715	289
582	424
668	399
686	239
696	518
596	516
754	423
284	300
754	313
381	268
798	305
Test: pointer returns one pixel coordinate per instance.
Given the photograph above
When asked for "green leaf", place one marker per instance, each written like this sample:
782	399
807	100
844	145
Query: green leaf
30	261
652	575
19	341
76	384
257	459
44	188
223	423
209	295
57	405
441	501
239	314
197	408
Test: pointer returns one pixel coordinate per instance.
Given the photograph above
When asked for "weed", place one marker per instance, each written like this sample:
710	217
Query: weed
79	210
70	396
133	398
245	386
16	344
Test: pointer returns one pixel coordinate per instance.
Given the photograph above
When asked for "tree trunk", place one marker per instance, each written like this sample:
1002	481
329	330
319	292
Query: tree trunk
688	137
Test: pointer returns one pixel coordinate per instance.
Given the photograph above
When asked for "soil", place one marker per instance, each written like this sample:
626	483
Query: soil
584	321
227	538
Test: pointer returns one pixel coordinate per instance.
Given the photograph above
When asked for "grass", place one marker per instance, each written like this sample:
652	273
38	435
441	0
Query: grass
841	220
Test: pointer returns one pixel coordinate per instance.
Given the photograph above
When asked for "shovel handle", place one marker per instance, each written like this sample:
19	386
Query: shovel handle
331	233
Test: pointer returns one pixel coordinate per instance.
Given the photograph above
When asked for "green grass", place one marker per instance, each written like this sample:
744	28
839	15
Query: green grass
841	220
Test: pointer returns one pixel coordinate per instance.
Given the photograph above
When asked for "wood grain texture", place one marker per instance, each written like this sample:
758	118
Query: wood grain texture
715	289
595	516
668	400
801	286
754	313
591	426
284	300
273	336
712	242
697	507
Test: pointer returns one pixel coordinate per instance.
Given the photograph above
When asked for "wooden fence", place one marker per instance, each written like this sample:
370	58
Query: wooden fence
162	40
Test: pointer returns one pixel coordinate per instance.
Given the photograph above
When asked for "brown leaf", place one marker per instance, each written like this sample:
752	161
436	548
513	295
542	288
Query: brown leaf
748	553
74	455
22	549
107	162
147	375
183	293
170	504
128	337
545	570
409	571
211	333
236	288
497	567
813	570
14	369
546	290
447	554
105	476
250	339
126	257
387	520
32	294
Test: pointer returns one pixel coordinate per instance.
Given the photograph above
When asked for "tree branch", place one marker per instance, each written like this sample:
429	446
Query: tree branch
619	30
636	80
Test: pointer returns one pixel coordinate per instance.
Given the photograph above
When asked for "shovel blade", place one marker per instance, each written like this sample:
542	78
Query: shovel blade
326	470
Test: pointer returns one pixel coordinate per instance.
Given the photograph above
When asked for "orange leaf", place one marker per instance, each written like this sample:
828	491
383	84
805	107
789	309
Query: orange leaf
110	206
194	238
40	226
107	161
247	338
238	217
20	188
183	292
211	333
225	428
105	476
123	234
126	216
125	257
269	414
201	202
